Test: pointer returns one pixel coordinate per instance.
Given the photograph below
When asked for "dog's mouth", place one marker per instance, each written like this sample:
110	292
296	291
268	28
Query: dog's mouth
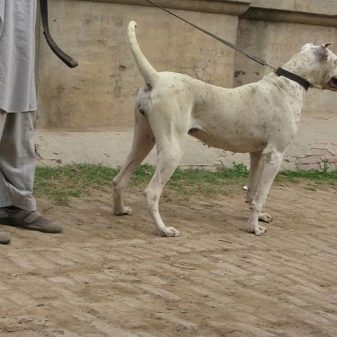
332	84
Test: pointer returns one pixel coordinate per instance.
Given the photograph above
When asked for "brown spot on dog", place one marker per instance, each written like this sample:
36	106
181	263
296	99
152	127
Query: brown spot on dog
148	87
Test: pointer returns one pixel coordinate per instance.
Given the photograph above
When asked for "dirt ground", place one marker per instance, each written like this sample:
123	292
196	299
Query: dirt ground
112	276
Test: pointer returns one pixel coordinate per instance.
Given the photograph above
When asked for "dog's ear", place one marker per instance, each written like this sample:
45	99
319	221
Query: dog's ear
323	51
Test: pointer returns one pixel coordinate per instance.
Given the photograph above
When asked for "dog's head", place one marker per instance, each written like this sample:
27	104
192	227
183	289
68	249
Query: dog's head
318	65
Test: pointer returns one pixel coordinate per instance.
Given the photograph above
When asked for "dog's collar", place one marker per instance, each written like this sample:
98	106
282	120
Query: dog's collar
300	80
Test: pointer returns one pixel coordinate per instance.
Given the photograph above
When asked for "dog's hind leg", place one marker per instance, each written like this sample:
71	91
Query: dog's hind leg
253	180
169	153
143	142
271	162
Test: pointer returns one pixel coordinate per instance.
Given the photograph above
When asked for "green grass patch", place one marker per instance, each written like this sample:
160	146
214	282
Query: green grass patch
65	182
317	176
72	181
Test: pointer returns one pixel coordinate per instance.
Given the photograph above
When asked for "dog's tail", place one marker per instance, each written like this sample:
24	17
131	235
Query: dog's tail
149	73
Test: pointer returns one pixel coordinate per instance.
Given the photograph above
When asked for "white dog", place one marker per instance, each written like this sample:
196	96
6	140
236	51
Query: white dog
258	118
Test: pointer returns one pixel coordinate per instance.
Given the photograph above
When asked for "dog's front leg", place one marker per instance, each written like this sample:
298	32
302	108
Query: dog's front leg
253	180
270	164
254	175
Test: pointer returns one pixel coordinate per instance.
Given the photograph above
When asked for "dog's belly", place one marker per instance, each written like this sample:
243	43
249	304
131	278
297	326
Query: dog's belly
230	141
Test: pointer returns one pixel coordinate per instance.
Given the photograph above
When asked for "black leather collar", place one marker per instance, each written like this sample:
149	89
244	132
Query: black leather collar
300	80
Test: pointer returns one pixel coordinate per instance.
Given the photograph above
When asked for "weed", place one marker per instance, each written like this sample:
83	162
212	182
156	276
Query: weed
78	180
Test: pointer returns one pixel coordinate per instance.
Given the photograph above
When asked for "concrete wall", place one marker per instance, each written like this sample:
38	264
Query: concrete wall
99	94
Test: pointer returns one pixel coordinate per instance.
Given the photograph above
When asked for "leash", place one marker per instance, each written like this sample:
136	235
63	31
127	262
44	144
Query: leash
278	70
69	61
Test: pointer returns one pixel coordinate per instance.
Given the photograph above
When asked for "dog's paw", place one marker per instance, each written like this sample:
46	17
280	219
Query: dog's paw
265	217
170	232
259	230
124	211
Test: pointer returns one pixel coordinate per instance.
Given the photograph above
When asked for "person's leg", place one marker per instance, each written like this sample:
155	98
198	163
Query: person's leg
17	167
4	195
17	161
4	237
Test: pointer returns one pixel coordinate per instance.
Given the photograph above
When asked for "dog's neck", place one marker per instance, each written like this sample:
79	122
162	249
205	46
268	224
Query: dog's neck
294	77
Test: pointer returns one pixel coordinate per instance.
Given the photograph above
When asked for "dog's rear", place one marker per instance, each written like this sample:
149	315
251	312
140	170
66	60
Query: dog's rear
152	125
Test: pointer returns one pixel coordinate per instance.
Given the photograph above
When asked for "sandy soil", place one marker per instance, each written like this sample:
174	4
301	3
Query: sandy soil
112	276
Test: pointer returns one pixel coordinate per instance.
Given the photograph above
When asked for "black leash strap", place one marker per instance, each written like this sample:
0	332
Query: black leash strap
229	44
69	61
278	70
